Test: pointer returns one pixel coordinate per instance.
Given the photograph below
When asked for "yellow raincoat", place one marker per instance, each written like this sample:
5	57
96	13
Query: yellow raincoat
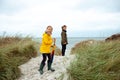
46	44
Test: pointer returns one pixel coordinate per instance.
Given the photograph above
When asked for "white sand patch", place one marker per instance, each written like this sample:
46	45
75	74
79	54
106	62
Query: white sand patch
30	69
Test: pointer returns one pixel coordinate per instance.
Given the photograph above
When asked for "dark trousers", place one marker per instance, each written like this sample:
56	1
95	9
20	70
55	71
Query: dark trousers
44	58
63	49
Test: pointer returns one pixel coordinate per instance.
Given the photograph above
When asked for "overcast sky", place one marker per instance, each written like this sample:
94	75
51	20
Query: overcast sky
84	18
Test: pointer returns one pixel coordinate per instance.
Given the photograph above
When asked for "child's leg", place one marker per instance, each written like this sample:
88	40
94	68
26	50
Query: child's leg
50	62
42	63
63	49
52	56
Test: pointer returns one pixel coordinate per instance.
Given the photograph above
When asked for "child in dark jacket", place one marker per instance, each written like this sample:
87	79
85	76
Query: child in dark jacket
64	40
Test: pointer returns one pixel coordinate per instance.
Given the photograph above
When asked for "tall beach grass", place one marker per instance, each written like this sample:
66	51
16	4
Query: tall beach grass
95	60
14	51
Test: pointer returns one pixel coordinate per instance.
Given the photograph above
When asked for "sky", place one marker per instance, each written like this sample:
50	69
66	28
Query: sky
84	18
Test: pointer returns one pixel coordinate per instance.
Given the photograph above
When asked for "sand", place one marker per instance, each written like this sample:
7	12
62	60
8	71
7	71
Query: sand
60	64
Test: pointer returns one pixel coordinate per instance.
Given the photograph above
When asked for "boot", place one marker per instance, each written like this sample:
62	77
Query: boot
41	68
49	67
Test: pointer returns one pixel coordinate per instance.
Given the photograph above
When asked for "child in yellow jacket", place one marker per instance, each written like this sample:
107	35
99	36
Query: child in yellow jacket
45	49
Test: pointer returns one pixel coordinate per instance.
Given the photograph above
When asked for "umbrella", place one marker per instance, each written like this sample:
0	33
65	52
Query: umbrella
53	50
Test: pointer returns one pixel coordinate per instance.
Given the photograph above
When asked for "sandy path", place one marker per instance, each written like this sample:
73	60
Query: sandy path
30	69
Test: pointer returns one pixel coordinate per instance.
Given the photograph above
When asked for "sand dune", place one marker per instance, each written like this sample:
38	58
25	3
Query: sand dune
30	69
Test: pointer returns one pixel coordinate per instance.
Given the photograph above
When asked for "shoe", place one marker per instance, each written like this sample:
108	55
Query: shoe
41	72
49	67
52	69
41	68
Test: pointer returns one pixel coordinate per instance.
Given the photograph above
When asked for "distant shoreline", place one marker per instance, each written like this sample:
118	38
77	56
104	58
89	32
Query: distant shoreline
72	40
72	37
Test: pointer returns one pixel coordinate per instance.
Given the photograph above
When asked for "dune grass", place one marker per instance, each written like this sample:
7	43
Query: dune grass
15	51
95	60
57	51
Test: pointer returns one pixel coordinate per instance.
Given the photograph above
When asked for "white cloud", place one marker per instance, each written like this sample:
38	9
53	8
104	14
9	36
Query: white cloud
38	14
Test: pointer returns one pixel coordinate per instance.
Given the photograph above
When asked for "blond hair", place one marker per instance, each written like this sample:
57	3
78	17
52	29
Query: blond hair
50	27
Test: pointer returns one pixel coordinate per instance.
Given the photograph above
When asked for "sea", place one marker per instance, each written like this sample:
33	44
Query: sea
72	41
